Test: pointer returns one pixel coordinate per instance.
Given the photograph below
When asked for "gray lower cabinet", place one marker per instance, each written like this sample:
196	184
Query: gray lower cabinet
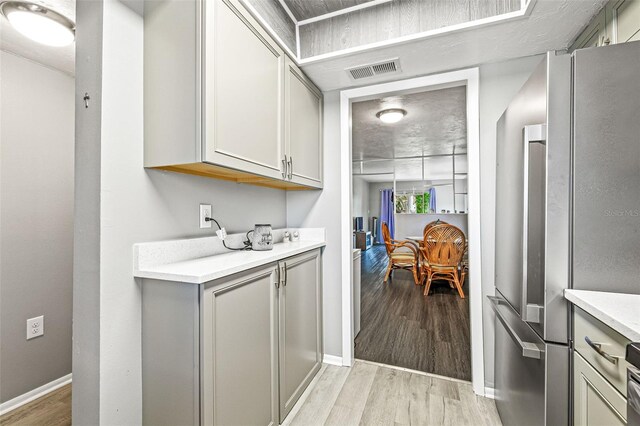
300	321
595	401
235	351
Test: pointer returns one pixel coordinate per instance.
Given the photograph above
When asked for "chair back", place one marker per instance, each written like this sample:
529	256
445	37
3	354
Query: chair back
432	224
444	245
386	237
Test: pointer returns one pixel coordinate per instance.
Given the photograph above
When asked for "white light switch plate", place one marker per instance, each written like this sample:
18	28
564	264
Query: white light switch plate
205	211
35	327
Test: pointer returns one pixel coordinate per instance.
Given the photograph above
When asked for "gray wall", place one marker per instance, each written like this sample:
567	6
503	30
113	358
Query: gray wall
499	82
135	205
360	201
36	223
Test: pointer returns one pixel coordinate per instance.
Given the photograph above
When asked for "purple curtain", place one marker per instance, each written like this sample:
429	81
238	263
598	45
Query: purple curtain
432	200
387	210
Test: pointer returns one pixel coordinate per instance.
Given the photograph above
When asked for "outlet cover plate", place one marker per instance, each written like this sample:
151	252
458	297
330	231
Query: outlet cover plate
35	327
205	211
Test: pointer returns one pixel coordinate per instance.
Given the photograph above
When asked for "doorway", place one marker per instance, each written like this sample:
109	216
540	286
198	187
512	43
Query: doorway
425	356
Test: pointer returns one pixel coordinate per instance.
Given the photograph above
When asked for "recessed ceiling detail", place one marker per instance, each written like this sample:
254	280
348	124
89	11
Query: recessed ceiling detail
307	9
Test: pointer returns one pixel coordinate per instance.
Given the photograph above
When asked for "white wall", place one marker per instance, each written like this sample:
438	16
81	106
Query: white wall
360	200
413	224
36	222
499	82
135	205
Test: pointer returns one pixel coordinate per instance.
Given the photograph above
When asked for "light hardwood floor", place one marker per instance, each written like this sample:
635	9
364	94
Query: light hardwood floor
53	409
365	394
373	394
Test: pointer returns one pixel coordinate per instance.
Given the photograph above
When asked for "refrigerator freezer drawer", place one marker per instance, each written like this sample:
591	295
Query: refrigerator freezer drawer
531	376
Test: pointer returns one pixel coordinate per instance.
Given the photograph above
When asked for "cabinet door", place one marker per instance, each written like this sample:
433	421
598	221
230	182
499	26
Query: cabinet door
596	402
240	351
623	17
244	90
594	35
300	327
303	124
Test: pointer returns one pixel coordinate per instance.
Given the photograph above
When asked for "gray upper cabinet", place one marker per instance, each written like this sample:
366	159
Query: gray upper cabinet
300	328
303	123
244	90
617	22
223	100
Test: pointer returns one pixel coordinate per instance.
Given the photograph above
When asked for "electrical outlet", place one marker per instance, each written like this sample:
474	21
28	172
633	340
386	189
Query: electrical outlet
205	211
35	327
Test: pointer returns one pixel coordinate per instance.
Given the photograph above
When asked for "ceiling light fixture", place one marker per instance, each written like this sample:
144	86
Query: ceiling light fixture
39	23
392	115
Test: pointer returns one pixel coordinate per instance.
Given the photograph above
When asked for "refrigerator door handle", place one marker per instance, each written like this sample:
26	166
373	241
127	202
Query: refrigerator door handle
529	349
530	312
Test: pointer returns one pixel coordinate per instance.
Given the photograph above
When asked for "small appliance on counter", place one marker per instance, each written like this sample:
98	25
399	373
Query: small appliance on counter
633	384
262	237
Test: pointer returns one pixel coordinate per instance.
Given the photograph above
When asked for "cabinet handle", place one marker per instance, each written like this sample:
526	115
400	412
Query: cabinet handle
290	168
598	348
286	274
278	280
285	165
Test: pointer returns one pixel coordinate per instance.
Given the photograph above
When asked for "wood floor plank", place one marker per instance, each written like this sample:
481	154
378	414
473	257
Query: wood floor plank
53	409
321	399
385	396
351	401
402	327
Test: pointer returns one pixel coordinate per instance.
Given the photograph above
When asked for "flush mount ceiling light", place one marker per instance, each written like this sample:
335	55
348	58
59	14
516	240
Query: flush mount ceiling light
392	115
39	23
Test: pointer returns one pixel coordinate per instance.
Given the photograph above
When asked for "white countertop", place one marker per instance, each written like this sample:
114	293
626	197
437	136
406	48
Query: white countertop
198	260
619	311
198	271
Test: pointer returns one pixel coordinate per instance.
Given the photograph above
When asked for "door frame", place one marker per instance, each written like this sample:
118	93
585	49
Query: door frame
466	77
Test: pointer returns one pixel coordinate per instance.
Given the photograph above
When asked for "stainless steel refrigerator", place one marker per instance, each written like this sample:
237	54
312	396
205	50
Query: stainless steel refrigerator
567	216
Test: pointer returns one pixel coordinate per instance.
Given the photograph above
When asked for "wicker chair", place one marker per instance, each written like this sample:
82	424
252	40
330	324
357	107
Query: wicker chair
432	224
442	251
402	255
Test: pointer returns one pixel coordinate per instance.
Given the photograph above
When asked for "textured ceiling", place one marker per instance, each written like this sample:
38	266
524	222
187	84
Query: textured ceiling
61	58
305	9
435	123
552	25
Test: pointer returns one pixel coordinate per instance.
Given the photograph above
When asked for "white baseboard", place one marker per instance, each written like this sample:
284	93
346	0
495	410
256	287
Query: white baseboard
36	393
490	393
332	359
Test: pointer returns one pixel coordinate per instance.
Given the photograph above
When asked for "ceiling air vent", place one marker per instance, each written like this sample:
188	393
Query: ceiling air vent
371	70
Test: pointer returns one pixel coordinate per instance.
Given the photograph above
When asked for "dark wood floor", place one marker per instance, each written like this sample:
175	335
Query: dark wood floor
402	327
53	409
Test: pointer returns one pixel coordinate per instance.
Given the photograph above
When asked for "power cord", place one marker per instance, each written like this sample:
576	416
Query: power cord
247	244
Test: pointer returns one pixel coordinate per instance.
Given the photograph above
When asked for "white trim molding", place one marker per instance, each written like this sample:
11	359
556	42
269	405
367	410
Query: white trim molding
490	393
344	11
332	360
34	394
470	79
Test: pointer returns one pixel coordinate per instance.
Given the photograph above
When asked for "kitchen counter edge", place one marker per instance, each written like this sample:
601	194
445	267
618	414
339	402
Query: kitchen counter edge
234	263
620	311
